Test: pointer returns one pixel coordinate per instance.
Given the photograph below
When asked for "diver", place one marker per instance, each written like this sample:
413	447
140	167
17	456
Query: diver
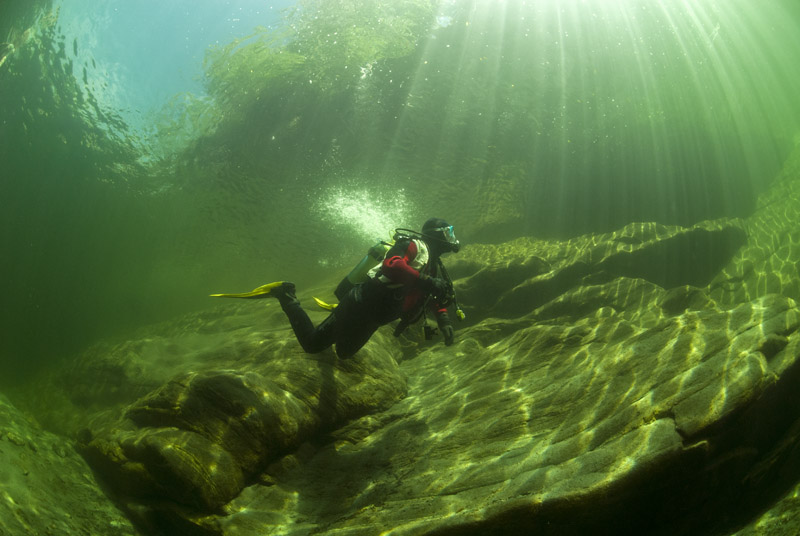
410	279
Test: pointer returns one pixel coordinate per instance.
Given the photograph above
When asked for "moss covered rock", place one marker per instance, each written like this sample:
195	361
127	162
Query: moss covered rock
189	447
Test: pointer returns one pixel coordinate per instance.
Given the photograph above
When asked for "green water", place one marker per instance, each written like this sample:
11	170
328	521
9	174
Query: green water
305	141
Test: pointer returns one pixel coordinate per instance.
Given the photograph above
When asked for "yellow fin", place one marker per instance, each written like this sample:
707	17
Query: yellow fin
260	292
327	306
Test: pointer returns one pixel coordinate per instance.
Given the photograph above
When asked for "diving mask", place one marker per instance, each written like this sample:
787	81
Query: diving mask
450	236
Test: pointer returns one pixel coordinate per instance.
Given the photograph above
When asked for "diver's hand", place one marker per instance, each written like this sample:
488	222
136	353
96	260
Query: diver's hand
446	328
435	286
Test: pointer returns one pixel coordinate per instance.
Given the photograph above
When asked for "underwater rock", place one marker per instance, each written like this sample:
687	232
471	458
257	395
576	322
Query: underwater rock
517	277
770	261
600	427
190	447
46	487
167	464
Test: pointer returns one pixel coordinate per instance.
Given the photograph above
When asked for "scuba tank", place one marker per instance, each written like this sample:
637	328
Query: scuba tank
359	274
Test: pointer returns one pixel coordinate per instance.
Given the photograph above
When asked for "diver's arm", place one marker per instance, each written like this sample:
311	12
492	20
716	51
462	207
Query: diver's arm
398	270
397	264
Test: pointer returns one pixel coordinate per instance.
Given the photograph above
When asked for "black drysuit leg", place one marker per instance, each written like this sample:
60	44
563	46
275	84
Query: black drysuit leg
313	340
349	326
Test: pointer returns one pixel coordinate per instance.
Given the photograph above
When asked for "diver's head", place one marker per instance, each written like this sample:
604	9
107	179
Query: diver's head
439	235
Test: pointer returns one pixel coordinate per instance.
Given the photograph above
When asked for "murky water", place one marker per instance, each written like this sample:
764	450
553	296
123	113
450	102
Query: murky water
150	158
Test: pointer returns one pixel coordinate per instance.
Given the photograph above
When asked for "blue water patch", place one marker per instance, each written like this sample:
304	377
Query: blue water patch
135	56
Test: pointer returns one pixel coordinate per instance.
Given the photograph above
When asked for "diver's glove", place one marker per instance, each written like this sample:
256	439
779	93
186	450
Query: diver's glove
435	286
445	328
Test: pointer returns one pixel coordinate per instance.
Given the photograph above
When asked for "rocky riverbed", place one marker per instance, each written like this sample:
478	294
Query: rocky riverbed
641	381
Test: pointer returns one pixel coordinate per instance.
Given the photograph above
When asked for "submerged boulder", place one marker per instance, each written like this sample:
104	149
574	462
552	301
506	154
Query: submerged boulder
189	447
517	277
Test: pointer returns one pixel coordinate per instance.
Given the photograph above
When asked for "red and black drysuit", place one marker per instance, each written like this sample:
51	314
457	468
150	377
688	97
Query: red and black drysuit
396	290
